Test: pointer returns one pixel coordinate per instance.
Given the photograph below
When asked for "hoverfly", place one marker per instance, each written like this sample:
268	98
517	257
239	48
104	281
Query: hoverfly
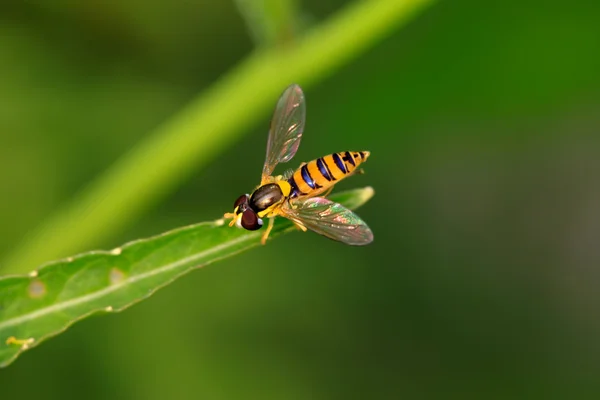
300	195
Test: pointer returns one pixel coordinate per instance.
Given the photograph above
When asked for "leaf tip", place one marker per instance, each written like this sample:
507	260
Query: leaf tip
367	193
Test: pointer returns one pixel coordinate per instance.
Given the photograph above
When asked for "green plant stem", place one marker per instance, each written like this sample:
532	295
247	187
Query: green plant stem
204	129
271	22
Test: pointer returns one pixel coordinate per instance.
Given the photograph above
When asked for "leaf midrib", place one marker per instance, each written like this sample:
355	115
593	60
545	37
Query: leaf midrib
129	280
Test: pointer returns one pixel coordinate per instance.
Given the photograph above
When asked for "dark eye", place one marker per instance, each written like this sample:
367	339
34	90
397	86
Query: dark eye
250	220
240	200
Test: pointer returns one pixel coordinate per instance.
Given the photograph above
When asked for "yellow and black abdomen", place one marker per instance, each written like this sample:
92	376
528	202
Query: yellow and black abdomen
319	175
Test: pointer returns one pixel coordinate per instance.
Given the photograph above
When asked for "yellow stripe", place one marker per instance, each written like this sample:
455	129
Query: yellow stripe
335	171
317	176
302	186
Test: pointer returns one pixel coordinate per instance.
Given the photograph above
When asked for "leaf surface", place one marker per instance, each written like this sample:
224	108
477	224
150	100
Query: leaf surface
44	303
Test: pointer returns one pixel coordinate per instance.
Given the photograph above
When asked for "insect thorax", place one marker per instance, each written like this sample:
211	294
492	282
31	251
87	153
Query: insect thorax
265	196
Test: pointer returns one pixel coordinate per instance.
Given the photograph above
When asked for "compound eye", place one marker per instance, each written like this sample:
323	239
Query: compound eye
240	200
250	220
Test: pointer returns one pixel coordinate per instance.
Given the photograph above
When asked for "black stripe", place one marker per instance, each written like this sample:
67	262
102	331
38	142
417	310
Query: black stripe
348	157
306	176
362	155
328	170
338	161
323	169
295	191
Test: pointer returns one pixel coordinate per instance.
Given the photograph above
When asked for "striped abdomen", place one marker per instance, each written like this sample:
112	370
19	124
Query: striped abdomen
319	175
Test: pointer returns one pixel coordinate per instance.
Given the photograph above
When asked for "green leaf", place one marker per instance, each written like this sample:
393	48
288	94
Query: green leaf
44	303
205	129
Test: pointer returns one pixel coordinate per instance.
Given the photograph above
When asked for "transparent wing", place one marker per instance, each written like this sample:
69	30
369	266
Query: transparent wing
286	129
330	219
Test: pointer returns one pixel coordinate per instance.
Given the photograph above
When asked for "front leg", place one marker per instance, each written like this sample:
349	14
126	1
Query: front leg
263	239
233	217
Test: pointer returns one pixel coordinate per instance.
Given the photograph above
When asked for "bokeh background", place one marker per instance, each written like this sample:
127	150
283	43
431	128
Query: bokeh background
483	121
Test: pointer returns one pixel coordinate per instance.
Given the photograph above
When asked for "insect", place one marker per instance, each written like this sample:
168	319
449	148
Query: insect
300	195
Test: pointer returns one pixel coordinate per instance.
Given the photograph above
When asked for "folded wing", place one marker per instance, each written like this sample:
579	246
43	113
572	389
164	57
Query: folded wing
330	219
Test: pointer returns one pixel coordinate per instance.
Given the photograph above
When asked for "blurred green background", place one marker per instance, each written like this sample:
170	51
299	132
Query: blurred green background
482	282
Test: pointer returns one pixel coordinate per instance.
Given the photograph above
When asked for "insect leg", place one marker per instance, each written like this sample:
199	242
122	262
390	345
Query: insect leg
230	215
263	239
290	205
300	226
326	193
